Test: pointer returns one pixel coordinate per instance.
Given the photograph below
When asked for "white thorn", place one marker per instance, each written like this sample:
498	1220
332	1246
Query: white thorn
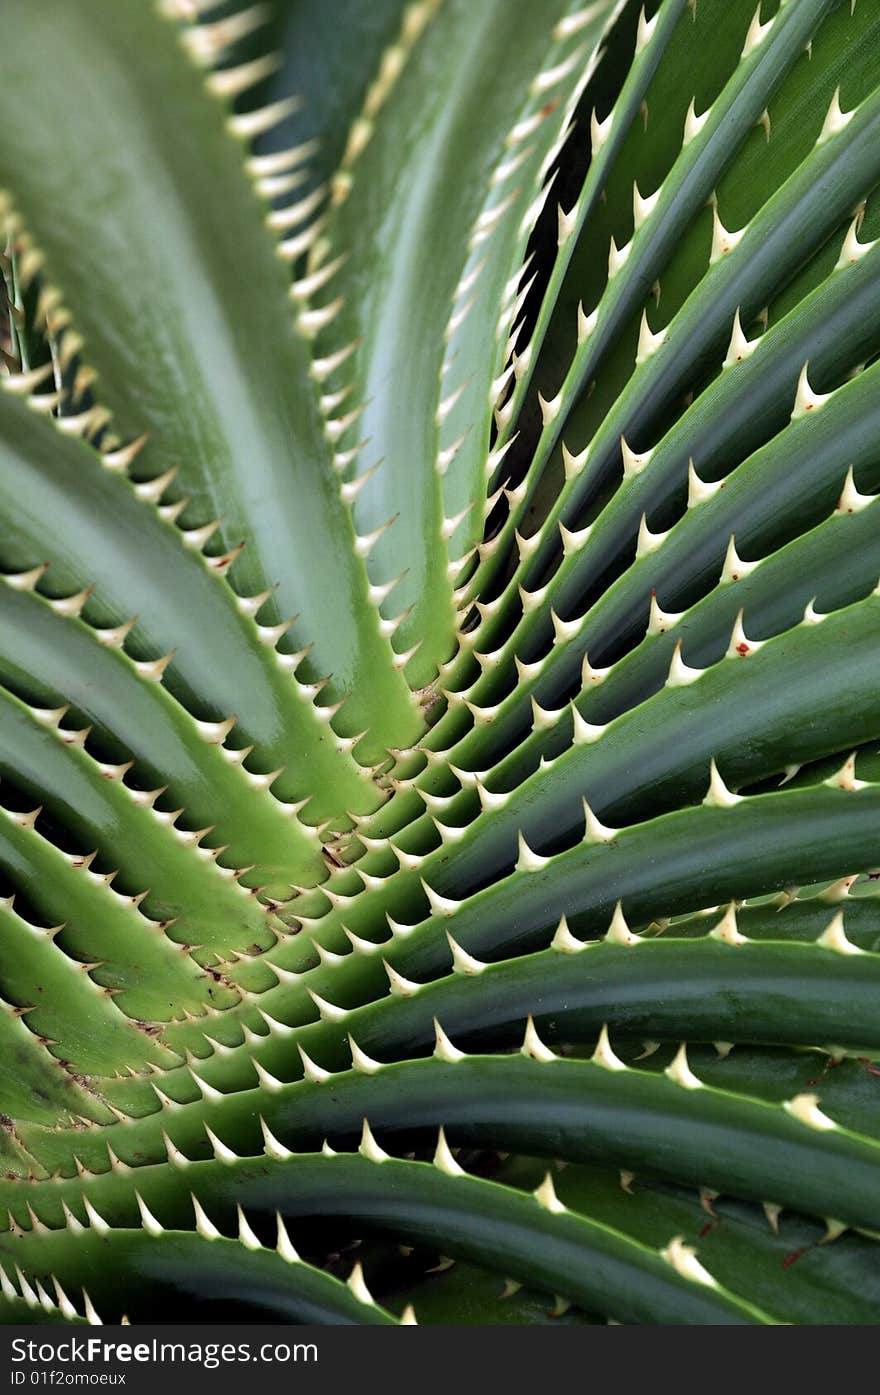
584	733
551	77
681	674
806	1109
772	1212
567	222
89	1311
572	542
564	941
683	1259
852	250
247	125
308	285
267	1080
65	1307
23	384
329	1011
74	1225
661	621
600	130
204	1226
718	795
443	1158
735	568
360	1060
96	1221
533	1046
401	987
293	247
527	860
739	348
592	677
618	932
564	630
446	457
586	323
851	501
834	937
833	1230
462	962
284	1246
694	124
271	1145
643	207
550	409
837	891
806	400
220	1150
148	1220
594	831
175	1157
27	1293
310	322
245	1233
215	733
440	905
546	1196
845	778
756	34
700	490
649	341
617	257
447	404
680	1072
315	1073
444	1049
322	368
603	1055
645	31
369	1148
835	120
358	1286
723	241
811	616
726	930
741	646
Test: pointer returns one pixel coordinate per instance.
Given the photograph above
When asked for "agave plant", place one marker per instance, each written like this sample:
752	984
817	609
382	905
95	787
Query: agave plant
495	939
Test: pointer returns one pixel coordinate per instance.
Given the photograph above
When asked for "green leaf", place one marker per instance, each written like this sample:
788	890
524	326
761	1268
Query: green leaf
164	259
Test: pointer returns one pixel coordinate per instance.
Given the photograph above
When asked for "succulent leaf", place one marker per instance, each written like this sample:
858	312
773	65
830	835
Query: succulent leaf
439	658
